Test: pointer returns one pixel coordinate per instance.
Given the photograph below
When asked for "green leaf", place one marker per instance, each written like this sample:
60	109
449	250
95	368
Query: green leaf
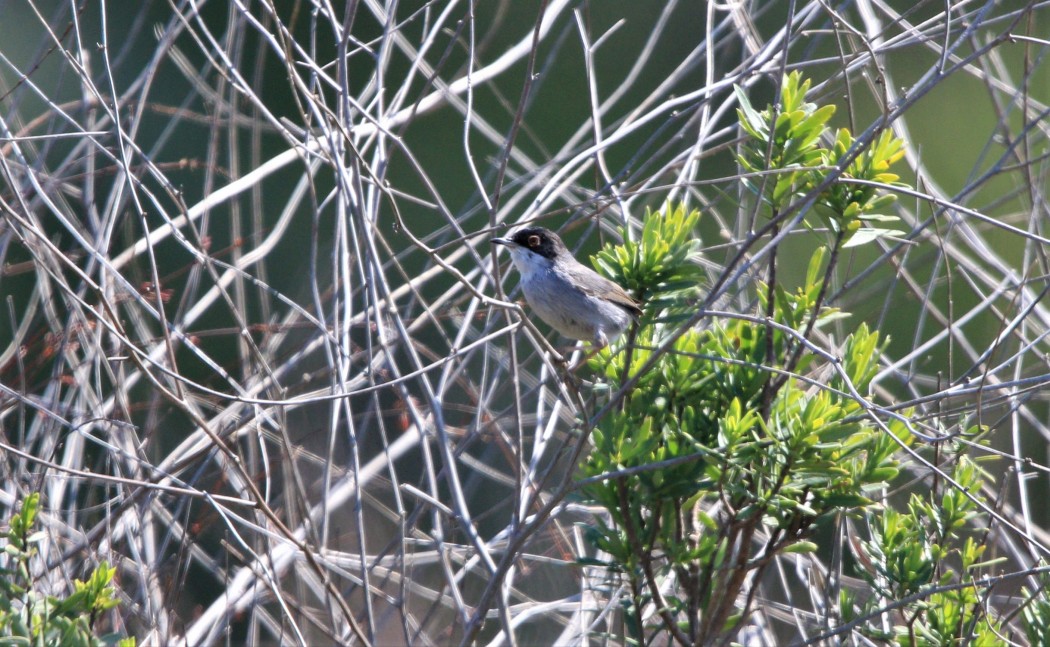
750	118
814	125
870	234
875	217
847	501
882	474
801	547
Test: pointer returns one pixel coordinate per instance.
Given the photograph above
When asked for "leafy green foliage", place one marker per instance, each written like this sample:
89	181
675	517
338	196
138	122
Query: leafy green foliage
738	442
659	268
856	209
1035	614
696	425
785	141
910	551
28	617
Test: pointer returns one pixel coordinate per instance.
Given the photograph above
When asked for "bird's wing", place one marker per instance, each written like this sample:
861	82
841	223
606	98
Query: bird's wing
605	289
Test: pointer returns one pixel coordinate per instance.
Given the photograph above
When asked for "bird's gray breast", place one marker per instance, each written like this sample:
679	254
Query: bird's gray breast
570	310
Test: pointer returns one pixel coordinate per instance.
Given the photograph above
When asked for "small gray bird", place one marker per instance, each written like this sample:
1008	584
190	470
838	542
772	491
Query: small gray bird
572	298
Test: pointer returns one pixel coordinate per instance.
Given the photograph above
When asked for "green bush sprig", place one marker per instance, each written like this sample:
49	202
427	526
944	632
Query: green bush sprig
29	617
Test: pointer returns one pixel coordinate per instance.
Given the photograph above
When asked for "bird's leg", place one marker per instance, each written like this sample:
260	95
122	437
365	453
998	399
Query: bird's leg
590	352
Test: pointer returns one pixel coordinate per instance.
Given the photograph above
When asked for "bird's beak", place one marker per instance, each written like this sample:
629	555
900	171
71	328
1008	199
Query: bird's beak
504	241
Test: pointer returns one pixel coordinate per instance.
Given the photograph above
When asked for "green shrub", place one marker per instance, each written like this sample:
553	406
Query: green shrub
29	617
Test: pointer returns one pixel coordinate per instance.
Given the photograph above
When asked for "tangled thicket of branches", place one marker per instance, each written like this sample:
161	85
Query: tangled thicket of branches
257	354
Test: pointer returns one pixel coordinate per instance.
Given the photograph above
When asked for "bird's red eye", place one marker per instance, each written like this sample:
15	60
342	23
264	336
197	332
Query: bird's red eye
534	241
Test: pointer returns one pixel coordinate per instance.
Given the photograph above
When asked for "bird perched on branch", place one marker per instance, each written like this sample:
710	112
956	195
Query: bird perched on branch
571	297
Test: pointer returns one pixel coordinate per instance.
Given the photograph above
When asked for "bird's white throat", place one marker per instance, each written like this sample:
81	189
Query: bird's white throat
529	264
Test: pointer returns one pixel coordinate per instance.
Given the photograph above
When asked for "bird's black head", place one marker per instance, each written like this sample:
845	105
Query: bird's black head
540	240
